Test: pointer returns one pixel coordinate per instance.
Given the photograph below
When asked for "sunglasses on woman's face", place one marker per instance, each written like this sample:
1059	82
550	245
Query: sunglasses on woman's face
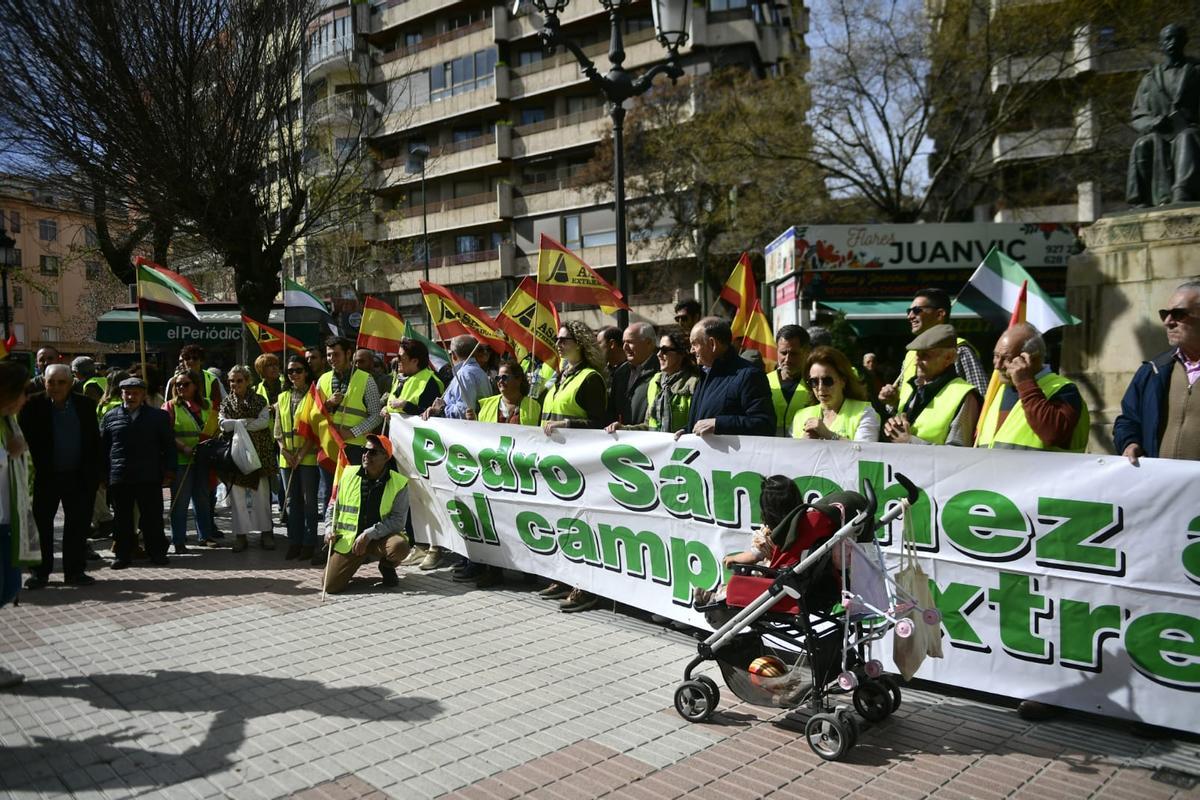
182	384
503	378
664	350
295	371
825	380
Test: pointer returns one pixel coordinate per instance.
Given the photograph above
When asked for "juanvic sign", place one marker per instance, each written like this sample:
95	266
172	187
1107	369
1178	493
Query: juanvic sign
940	246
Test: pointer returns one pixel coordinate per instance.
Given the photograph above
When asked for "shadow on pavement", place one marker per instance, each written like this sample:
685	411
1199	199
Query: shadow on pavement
116	590
111	760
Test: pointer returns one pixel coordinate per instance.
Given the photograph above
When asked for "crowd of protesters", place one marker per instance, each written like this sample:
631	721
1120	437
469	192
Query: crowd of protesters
103	447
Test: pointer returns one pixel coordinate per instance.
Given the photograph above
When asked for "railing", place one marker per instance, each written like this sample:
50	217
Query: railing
439	39
575	118
445	261
591	51
465	144
346	104
321	52
438	206
573	182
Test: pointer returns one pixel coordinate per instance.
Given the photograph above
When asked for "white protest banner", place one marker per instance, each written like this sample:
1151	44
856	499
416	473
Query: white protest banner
1066	578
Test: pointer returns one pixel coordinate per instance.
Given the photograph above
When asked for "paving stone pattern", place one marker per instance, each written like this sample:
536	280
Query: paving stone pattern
225	676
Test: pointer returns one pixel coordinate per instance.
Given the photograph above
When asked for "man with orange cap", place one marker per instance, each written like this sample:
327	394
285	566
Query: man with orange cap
368	518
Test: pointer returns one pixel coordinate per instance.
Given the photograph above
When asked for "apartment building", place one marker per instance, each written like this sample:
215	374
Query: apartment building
1063	158
509	128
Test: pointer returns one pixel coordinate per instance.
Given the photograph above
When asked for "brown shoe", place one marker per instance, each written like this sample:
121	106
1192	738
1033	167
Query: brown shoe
239	543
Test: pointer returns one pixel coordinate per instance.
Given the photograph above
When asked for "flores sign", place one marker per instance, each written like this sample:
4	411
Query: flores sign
1067	578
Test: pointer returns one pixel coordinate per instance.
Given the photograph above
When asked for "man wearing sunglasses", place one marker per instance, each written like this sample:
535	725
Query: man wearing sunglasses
368	518
1160	413
932	307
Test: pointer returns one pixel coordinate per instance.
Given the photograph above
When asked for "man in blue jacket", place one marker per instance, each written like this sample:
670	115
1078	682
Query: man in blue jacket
1160	413
138	449
733	396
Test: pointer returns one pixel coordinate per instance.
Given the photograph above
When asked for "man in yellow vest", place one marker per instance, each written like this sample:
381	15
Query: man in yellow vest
351	397
942	408
788	392
367	519
1037	409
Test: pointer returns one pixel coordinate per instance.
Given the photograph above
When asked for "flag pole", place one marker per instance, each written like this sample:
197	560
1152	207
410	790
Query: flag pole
141	327
283	291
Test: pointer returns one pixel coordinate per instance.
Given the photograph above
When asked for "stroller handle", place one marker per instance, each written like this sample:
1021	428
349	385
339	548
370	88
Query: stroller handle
910	488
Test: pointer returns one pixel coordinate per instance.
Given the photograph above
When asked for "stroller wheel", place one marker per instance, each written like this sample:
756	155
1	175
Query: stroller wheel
890	684
828	736
714	692
904	628
873	701
847	680
931	616
693	701
873	668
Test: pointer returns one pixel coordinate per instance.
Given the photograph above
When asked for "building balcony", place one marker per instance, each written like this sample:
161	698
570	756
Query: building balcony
561	69
453	214
487	96
343	109
555	195
1062	65
399	12
528	25
435	50
1049	142
336	55
482	151
1067	212
559	133
486	265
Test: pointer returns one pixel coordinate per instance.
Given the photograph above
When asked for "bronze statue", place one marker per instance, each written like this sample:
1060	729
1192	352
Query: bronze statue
1164	165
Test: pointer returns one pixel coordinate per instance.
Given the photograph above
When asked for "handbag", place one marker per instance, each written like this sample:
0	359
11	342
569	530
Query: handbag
214	453
242	450
926	640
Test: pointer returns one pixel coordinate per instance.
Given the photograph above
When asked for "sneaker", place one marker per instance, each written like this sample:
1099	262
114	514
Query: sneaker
578	600
210	543
555	591
120	563
390	578
416	556
10	678
432	560
267	540
82	579
293	552
1035	711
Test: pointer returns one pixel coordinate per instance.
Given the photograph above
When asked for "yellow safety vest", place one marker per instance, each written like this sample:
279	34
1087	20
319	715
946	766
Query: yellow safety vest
933	423
489	410
909	371
681	405
846	424
1015	433
97	381
345	512
560	399
287	423
186	428
104	408
785	411
414	386
353	409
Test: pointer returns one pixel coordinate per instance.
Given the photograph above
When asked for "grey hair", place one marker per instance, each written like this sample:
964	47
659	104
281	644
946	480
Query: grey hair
243	370
641	330
54	369
1033	344
462	345
1190	285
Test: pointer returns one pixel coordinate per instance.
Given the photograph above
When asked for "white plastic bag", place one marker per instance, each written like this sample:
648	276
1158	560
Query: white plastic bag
926	640
242	450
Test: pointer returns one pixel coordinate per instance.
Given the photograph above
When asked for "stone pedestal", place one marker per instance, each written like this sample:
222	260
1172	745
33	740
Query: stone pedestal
1131	266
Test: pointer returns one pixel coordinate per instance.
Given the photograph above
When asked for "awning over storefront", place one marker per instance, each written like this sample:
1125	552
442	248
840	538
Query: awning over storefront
879	309
219	323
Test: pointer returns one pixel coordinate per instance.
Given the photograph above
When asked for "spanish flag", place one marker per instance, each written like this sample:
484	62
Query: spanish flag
564	278
758	336
271	340
741	292
1017	316
381	328
314	422
454	316
531	323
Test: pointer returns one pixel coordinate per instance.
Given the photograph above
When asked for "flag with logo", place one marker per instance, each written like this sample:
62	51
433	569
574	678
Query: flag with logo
995	286
758	336
454	316
563	278
381	328
301	305
164	293
741	292
438	355
531	323
272	340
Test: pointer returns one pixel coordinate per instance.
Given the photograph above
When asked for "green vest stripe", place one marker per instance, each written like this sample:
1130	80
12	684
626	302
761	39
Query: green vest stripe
784	413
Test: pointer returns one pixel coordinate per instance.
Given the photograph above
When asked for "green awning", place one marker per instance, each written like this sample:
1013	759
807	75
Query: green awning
219	322
881	309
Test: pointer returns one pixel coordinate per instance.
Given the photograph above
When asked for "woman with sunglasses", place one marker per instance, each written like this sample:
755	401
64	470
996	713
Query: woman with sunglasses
578	399
842	410
193	420
250	498
669	396
297	461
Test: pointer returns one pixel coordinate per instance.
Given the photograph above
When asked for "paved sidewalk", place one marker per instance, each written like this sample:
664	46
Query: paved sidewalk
224	675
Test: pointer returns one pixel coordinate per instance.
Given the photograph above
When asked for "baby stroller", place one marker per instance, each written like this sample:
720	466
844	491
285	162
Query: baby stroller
825	597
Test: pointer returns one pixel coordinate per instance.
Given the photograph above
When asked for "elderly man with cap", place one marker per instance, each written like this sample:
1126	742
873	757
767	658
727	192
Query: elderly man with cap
137	451
941	408
367	519
87	382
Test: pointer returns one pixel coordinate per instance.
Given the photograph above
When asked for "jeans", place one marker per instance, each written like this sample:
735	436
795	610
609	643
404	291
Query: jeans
190	486
300	483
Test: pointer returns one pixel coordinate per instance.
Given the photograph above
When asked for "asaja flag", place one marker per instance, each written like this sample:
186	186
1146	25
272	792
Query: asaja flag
530	323
563	278
455	316
741	292
438	356
381	328
993	289
759	337
298	299
272	340
164	293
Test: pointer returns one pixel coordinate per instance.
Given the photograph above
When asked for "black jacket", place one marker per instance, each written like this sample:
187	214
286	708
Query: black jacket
627	398
735	393
136	451
36	423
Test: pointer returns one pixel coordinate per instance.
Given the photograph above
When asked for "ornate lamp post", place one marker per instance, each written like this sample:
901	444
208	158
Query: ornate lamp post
619	85
7	243
418	155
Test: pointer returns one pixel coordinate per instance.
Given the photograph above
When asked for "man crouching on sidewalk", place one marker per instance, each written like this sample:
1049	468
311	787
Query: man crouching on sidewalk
368	518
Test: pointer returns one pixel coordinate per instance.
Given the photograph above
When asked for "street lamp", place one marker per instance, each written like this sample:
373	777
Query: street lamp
418	154
7	243
619	85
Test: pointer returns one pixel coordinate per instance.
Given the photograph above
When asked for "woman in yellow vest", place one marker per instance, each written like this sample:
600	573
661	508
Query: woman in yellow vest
578	399
669	395
842	410
297	461
193	420
512	406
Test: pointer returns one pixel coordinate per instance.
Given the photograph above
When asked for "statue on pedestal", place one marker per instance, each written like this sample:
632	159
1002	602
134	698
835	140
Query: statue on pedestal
1164	165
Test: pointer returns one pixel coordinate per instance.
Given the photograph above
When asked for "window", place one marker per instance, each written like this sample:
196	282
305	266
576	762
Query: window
571	235
529	116
412	90
49	299
14	222
464	74
412	39
48	265
726	5
343	149
92	269
16	258
47	230
466	134
468	244
18	296
526	57
599	238
49	334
